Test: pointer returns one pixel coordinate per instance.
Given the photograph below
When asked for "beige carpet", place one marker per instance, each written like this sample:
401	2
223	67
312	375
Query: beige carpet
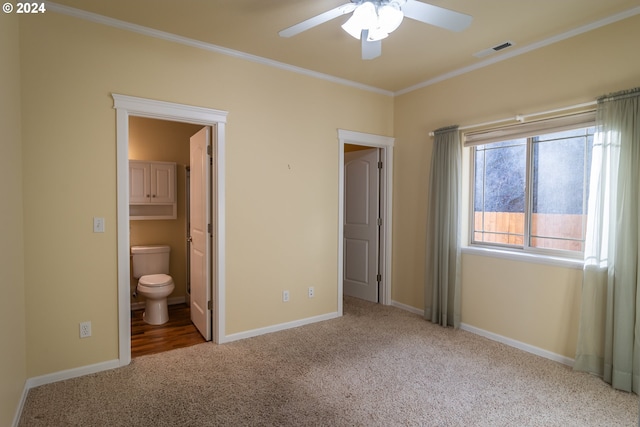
375	366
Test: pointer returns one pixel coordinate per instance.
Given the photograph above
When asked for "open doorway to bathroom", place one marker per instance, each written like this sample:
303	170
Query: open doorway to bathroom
127	107
163	142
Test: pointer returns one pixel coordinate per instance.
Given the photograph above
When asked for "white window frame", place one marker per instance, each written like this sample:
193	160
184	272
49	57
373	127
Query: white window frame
524	130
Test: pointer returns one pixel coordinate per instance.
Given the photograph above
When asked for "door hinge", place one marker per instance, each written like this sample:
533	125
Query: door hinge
210	305
380	165
209	228
379	278
379	222
208	149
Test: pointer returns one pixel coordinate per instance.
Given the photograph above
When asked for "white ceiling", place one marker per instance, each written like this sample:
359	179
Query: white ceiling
412	55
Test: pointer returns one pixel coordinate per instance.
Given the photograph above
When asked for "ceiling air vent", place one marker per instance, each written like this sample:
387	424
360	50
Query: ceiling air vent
493	49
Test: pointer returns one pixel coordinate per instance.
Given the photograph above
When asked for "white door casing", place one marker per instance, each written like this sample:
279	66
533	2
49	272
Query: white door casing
361	237
200	239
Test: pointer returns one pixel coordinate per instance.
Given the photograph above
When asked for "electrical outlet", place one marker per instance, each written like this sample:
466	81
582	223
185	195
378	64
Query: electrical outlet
85	329
311	291
285	296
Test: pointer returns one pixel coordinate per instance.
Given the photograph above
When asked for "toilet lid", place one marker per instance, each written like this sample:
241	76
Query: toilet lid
155	280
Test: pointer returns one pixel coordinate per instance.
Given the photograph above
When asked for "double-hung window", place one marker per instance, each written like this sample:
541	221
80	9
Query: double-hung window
530	185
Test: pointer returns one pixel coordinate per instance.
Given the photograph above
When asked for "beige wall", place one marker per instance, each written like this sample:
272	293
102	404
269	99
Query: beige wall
160	140
281	179
13	370
535	304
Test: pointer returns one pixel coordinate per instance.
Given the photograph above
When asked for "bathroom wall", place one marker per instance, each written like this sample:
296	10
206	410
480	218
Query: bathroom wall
160	140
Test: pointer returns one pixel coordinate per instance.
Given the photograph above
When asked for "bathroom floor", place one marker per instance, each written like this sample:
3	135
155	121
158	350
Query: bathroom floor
176	333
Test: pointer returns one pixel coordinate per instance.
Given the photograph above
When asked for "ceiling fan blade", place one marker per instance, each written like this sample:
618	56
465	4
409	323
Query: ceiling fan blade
370	50
317	20
435	15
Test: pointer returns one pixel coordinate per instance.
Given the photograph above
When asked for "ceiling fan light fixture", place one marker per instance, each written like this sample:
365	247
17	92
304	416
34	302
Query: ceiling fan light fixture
364	17
380	18
376	34
390	17
352	27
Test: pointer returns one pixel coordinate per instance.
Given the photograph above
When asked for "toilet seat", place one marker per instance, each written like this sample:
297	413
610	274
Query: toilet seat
155	280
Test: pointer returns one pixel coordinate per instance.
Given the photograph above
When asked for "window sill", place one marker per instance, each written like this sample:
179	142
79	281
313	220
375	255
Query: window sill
577	264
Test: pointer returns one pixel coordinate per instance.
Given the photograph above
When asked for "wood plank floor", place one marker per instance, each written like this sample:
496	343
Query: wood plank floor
176	333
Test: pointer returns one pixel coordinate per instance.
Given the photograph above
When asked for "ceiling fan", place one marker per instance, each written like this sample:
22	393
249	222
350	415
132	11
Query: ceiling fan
373	20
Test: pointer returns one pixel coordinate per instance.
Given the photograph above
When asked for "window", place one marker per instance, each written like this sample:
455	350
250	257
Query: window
530	185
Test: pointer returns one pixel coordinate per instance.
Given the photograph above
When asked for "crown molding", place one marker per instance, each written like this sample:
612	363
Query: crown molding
163	35
127	26
524	49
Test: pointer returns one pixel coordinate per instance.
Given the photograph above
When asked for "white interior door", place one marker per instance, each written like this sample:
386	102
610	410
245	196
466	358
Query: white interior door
361	229
199	218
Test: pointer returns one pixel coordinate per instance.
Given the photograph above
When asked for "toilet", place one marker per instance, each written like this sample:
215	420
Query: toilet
151	268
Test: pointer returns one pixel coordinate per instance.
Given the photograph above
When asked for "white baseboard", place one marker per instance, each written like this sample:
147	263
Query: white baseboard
406	307
23	399
499	338
71	373
276	328
519	345
170	301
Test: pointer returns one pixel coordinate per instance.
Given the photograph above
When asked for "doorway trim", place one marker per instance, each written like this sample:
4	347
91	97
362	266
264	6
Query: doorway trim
127	106
386	144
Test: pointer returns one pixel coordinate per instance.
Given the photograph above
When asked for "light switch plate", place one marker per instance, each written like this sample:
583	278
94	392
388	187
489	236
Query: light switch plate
98	224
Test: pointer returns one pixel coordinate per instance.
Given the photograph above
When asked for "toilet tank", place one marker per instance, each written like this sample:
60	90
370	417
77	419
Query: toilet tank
152	259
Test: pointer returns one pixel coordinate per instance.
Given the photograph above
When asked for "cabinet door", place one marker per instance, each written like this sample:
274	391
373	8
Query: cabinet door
139	185
163	186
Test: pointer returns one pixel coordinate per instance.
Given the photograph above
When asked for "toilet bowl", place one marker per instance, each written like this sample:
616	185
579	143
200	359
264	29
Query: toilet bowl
155	288
151	268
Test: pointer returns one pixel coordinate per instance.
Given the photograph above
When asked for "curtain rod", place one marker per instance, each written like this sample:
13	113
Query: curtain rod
520	118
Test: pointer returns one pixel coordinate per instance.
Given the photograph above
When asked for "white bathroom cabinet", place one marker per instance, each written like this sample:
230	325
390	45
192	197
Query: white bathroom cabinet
152	190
